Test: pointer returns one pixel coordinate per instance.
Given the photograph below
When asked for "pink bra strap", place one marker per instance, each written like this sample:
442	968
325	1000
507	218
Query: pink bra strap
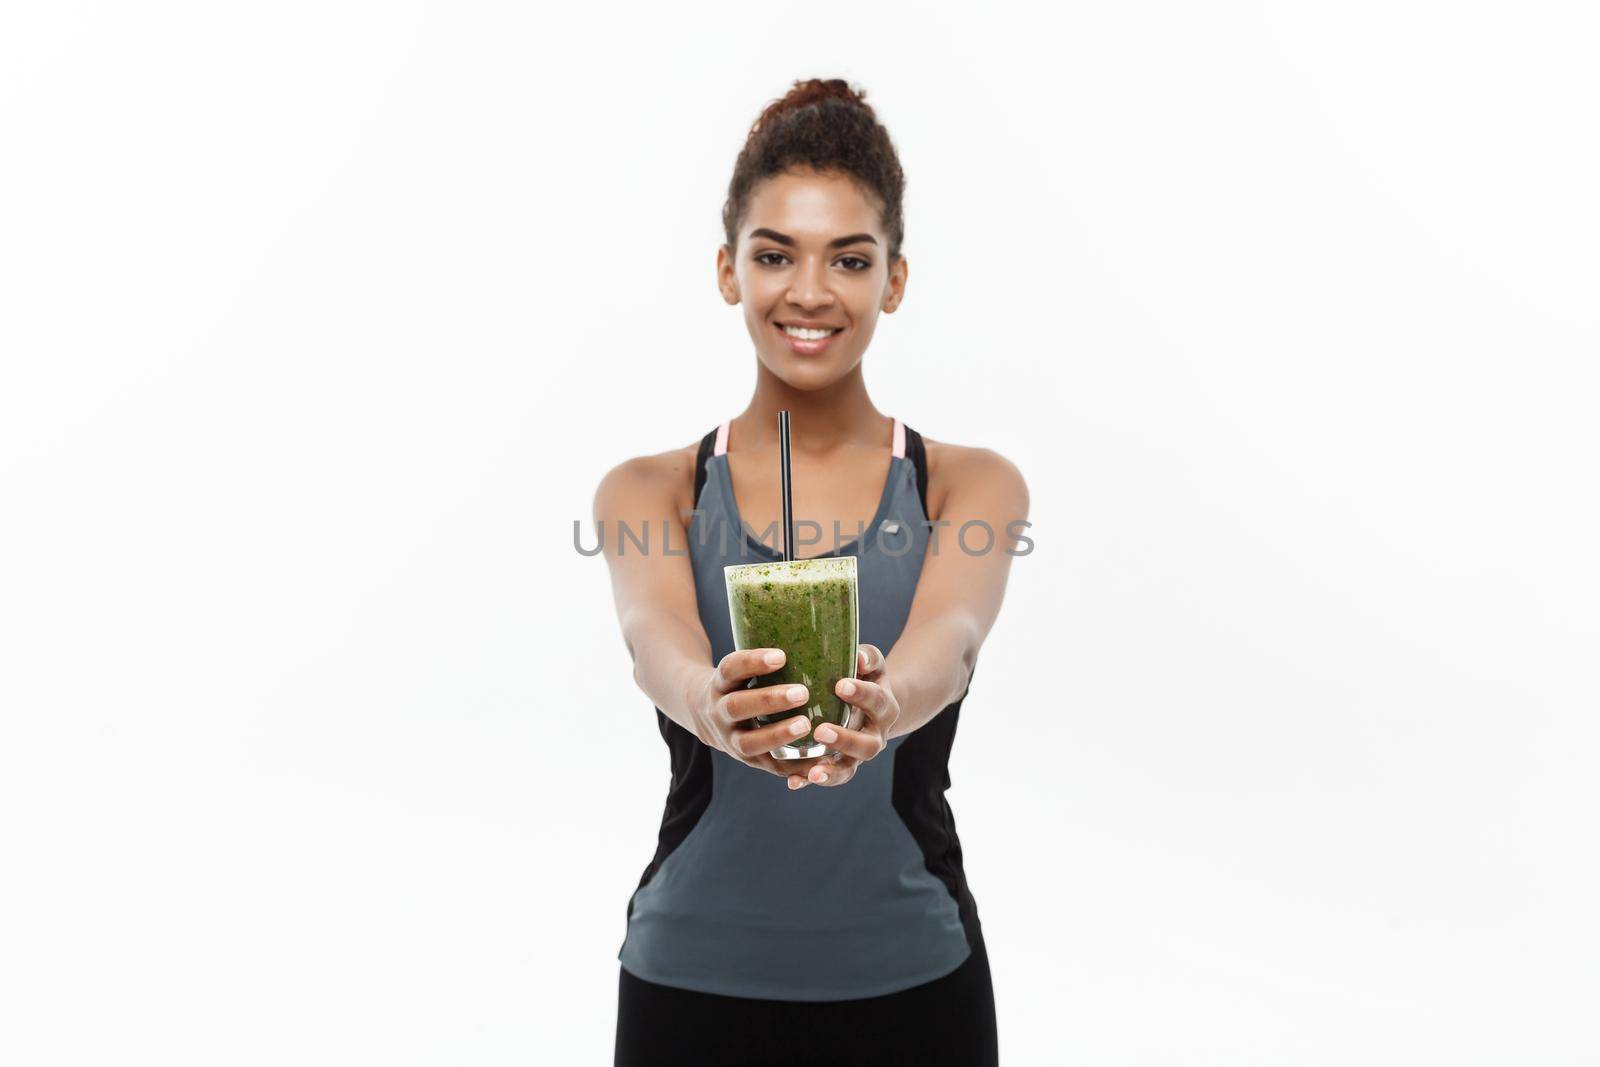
899	439
722	440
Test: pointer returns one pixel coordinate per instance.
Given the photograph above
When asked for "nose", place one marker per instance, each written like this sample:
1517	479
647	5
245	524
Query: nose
810	288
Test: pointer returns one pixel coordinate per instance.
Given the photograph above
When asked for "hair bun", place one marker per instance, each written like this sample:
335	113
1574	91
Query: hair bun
814	91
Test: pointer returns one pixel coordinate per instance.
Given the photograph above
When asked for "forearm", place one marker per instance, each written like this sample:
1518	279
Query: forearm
929	667
670	660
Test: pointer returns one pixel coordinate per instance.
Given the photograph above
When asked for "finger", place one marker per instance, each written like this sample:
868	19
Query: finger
783	768
737	668
766	761
870	697
761	739
833	771
799	769
869	659
860	744
768	700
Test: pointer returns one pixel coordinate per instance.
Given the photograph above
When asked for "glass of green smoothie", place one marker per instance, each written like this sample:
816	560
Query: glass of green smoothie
808	608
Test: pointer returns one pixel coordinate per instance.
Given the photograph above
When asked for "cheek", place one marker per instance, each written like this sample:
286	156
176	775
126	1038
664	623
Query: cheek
769	290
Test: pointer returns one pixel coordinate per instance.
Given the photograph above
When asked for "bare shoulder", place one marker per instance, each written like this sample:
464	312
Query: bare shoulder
965	467
643	485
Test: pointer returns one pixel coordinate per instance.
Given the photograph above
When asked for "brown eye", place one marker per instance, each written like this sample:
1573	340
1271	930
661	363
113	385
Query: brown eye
762	258
865	265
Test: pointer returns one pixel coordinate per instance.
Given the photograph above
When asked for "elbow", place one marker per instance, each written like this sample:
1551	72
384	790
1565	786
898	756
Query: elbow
972	640
969	663
633	657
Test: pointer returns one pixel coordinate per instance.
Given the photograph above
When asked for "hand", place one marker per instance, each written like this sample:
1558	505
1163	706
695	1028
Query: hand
725	712
873	713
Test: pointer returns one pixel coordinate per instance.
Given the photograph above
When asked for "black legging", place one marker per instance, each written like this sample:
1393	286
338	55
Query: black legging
949	1020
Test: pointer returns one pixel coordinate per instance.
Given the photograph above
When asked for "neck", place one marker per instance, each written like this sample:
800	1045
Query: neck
819	419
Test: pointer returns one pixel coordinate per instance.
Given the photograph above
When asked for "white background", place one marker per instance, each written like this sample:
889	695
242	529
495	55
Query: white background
320	322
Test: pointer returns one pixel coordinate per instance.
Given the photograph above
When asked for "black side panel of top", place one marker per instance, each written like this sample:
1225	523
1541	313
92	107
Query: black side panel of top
690	793
922	768
921	776
707	443
919	458
687	799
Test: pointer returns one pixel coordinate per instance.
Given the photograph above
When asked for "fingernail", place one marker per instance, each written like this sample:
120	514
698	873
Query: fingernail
847	688
774	658
822	776
796	694
793	784
826	734
797	726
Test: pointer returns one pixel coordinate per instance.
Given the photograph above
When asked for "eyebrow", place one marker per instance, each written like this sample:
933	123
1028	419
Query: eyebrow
837	242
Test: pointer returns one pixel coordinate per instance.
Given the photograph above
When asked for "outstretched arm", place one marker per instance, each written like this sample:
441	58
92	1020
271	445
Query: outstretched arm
654	592
660	617
960	590
958	598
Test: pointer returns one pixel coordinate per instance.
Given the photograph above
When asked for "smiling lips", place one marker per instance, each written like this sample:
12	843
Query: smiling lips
808	341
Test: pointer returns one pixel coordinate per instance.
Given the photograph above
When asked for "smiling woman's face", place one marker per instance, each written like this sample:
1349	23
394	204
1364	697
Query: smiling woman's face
812	252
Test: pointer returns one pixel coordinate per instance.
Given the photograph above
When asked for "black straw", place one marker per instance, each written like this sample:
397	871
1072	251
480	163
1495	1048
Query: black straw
788	492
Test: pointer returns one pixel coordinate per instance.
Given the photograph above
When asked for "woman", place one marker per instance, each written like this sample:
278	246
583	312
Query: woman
828	921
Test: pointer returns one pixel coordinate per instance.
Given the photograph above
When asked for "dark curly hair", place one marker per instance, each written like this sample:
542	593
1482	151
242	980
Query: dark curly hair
828	127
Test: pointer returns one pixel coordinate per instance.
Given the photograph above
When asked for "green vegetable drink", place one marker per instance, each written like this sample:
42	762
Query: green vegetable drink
808	608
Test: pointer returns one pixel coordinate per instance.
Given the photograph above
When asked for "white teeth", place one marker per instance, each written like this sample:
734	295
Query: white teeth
808	335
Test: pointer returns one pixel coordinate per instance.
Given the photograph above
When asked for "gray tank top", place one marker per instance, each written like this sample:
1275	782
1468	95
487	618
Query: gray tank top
746	870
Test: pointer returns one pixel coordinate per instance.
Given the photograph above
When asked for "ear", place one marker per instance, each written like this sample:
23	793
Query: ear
895	287
727	280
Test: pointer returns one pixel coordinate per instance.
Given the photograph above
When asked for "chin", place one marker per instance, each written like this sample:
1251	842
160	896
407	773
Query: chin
805	374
